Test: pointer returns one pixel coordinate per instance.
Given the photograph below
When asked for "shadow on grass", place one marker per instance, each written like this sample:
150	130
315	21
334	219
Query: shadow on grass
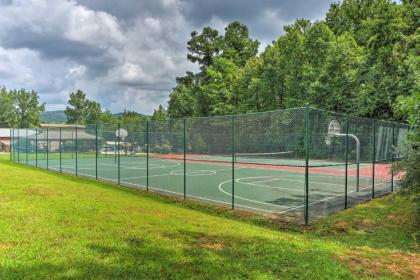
191	254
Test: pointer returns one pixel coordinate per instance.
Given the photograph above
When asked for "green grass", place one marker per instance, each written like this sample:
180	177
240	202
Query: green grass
54	226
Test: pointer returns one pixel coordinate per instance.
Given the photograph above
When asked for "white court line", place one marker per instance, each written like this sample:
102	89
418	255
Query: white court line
275	205
255	201
291	189
322	200
175	174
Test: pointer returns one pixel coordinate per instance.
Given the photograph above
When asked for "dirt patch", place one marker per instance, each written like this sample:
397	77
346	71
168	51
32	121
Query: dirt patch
413	261
398	265
208	243
338	227
392	218
41	191
213	246
6	245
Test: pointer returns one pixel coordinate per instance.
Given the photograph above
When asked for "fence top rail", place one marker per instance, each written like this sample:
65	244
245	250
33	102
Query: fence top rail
76	127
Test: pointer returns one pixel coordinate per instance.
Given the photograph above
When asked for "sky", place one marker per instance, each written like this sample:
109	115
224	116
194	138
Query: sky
125	54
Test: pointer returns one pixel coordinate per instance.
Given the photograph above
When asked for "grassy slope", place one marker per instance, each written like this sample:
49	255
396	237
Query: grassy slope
56	226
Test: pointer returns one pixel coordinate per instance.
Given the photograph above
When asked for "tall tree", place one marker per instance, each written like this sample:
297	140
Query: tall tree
8	114
27	108
182	100
159	114
82	110
202	48
237	46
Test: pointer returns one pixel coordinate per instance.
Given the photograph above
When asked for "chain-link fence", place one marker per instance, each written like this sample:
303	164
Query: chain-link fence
298	164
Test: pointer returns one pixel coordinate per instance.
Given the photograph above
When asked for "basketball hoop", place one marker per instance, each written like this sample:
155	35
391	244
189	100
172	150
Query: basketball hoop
122	133
334	129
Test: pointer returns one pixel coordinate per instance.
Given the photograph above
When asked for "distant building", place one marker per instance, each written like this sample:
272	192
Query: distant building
4	139
67	135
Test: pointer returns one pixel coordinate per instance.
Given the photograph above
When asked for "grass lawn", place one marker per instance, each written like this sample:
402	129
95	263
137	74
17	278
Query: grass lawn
55	226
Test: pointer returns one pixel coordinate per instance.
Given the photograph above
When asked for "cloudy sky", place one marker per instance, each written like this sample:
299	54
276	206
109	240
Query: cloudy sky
123	53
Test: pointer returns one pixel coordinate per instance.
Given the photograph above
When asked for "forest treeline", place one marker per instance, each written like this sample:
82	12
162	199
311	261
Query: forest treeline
357	60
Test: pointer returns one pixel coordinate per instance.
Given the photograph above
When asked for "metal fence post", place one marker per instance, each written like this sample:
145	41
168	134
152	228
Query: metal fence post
76	153
36	147
306	164
119	160
27	148
11	132
18	145
233	162
374	159
72	139
96	152
347	164
48	149
185	161
115	150
392	158
147	155
60	149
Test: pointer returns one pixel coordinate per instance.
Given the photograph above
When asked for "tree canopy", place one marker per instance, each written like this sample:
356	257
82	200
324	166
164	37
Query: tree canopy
357	60
19	108
81	110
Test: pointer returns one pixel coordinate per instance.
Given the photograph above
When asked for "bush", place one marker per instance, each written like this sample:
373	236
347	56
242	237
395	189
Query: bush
409	108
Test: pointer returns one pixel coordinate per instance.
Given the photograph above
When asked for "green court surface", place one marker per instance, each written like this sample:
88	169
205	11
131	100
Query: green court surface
265	188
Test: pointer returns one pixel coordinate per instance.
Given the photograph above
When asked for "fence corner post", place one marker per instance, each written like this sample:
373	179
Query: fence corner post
36	147
373	159
48	149
347	164
306	137
96	151
147	155
11	144
76	153
392	157
27	147
233	161
119	157
60	149
185	160
18	146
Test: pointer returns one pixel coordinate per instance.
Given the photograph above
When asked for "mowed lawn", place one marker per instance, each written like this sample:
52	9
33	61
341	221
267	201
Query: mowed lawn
54	226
